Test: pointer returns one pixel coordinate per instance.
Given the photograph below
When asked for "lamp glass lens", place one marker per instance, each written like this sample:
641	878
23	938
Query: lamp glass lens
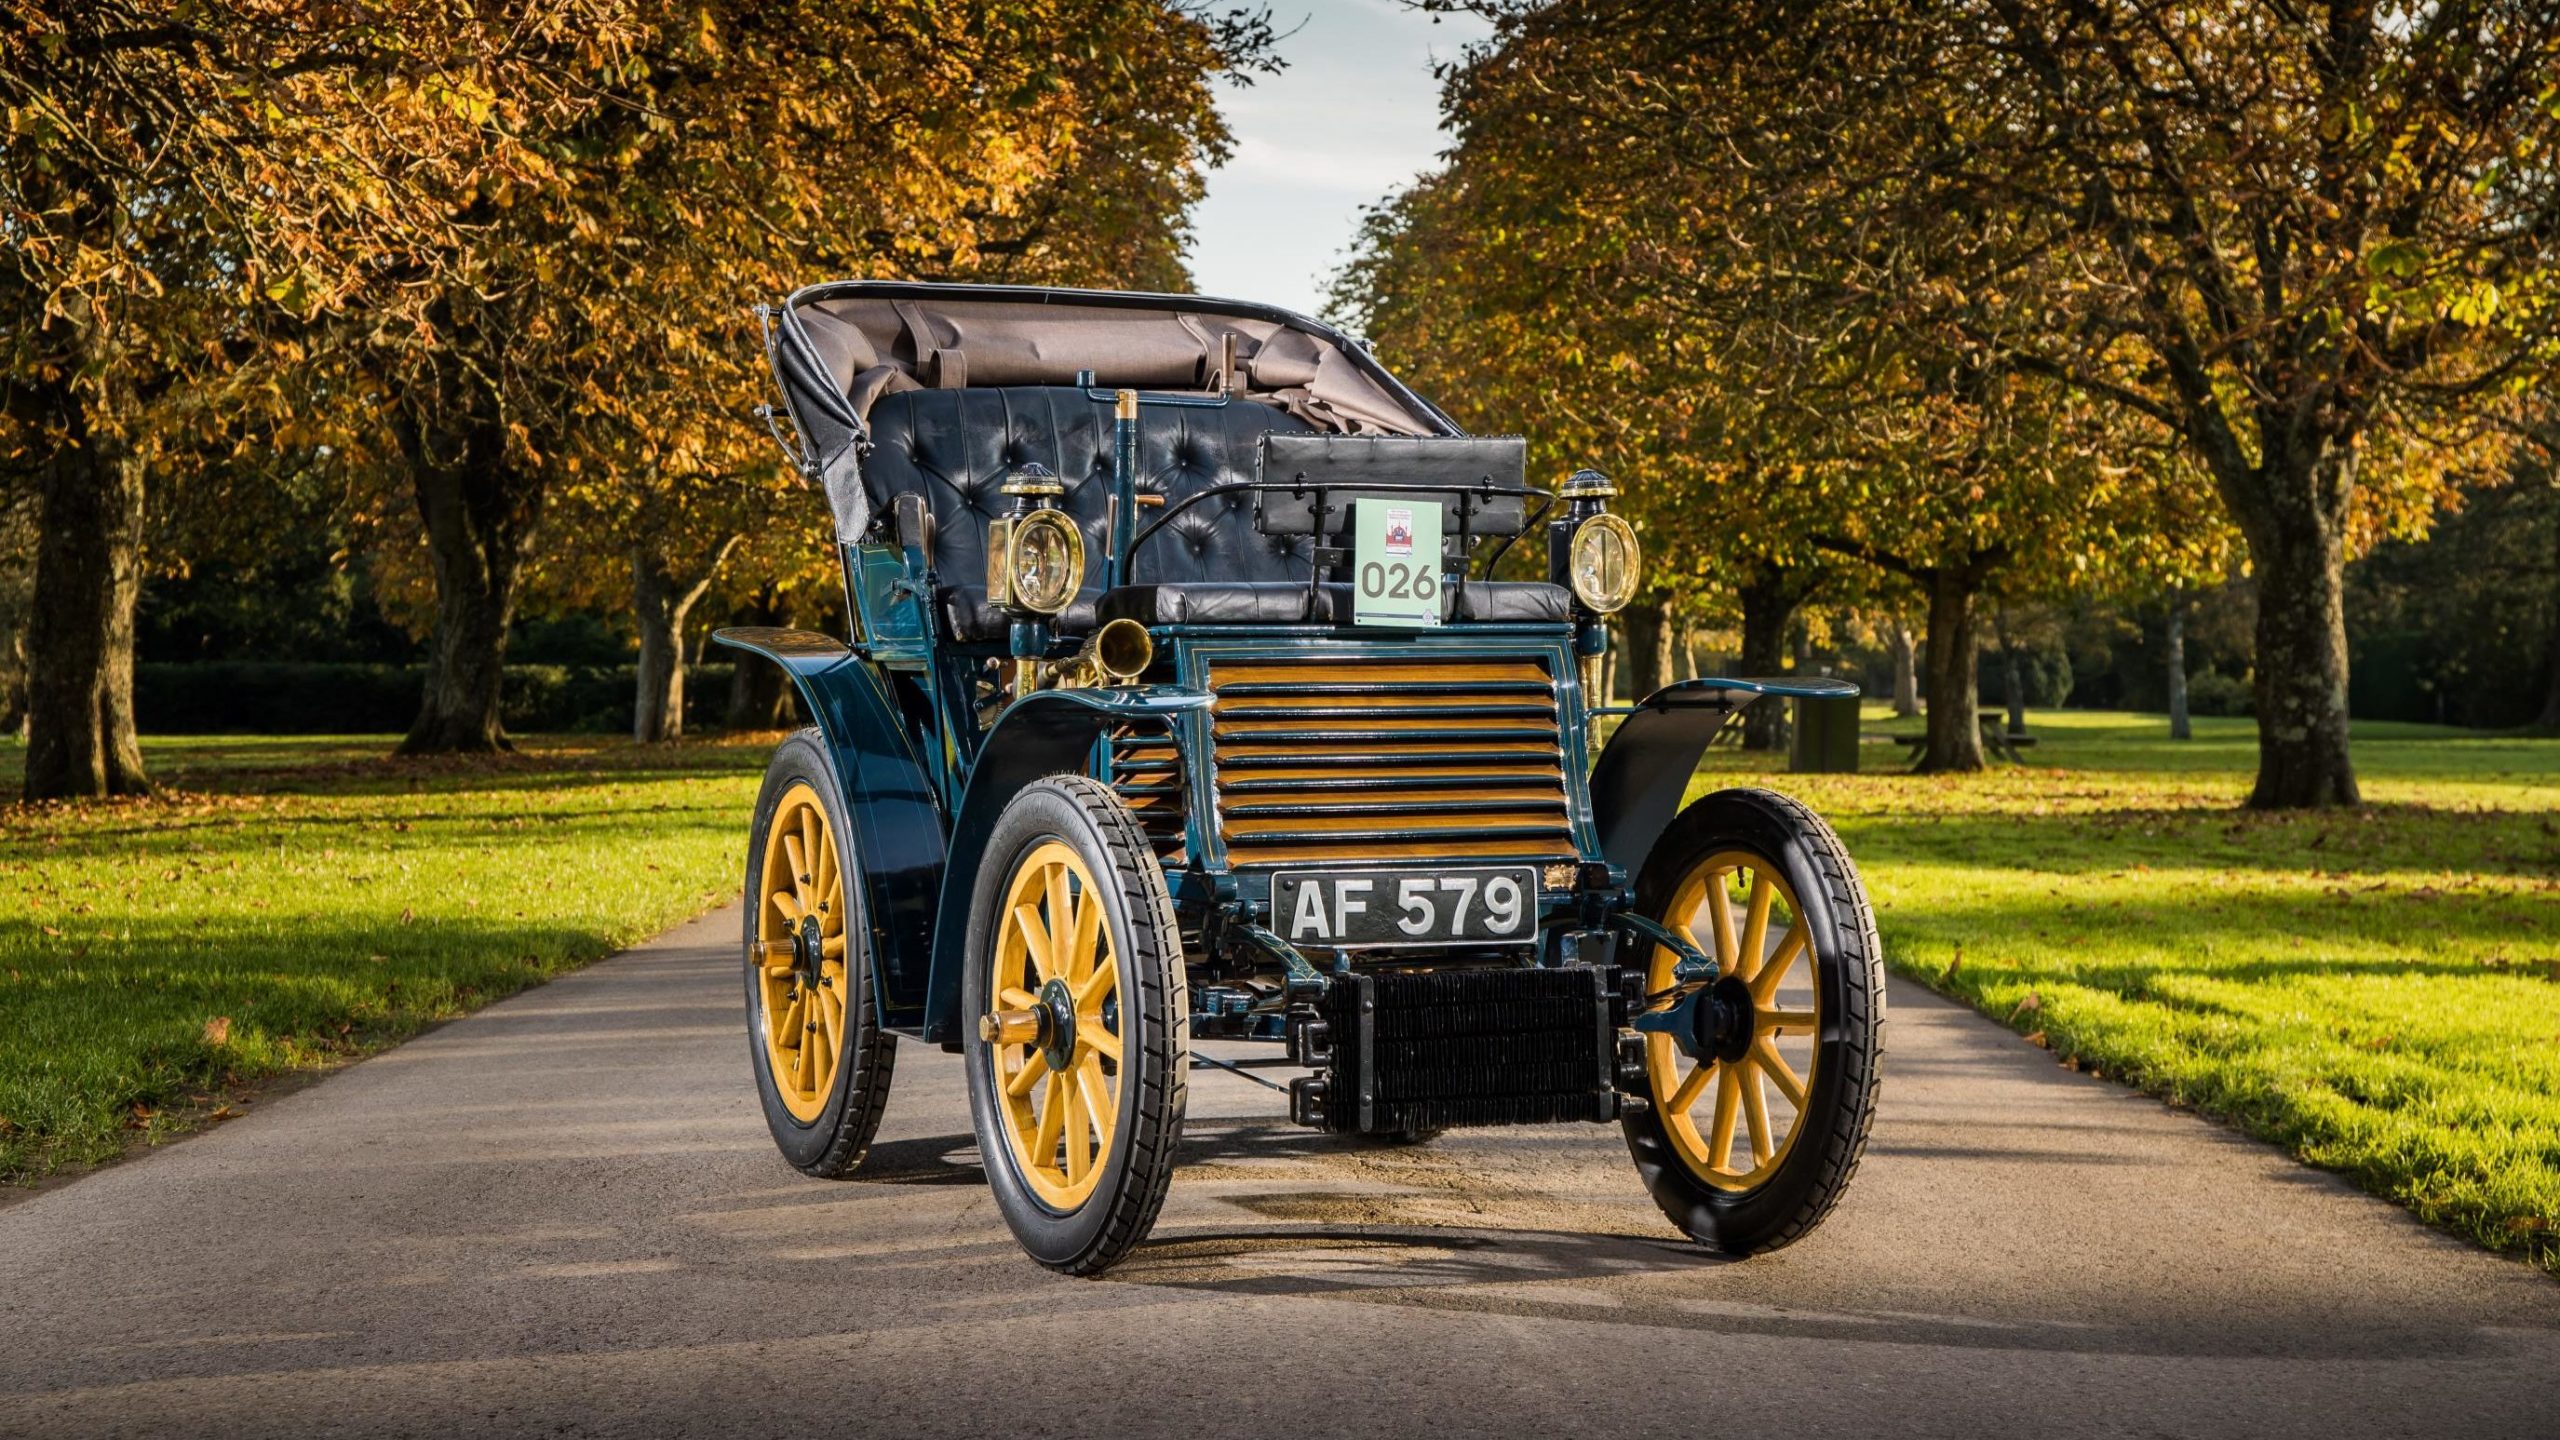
1604	563
1048	563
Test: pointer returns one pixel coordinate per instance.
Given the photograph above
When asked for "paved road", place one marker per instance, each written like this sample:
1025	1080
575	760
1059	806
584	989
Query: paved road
562	1217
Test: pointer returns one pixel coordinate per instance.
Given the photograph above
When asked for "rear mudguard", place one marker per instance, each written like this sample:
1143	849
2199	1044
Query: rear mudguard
1047	732
1644	771
889	804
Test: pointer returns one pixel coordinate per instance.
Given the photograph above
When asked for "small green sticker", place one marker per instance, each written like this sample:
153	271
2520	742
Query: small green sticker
1395	556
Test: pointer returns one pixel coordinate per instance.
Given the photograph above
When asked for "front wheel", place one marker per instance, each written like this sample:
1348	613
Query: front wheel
1762	1092
1078	1054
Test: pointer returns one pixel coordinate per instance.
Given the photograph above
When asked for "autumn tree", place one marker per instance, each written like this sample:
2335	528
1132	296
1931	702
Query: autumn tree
1587	268
2313	243
596	331
177	180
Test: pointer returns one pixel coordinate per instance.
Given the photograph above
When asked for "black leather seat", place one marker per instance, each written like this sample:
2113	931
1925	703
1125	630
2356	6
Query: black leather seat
1209	566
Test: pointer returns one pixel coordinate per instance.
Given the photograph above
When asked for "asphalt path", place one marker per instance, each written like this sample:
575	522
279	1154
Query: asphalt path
562	1217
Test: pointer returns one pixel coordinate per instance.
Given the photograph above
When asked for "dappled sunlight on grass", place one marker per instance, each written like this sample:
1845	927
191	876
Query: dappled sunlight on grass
2378	990
290	902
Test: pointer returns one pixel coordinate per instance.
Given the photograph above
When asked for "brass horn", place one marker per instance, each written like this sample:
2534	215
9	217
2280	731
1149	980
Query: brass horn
1117	652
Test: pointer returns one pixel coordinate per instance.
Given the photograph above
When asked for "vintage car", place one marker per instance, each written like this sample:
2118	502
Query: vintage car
1180	701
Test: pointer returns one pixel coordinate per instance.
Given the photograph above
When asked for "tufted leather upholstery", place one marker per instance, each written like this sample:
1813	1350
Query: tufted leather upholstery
954	447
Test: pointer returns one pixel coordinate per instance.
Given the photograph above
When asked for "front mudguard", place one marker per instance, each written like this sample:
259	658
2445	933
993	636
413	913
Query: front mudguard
1644	771
888	798
1047	732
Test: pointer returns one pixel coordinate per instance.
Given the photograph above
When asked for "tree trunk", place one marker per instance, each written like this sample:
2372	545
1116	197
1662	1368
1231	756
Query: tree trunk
1955	737
2297	544
1648	646
480	513
2549	720
81	741
2011	691
1768	605
2180	727
1906	669
661	600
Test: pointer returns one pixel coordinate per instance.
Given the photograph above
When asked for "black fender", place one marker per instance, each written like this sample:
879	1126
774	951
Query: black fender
1047	732
1645	768
896	821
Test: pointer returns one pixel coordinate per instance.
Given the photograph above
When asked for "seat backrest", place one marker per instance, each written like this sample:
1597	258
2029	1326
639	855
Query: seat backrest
955	447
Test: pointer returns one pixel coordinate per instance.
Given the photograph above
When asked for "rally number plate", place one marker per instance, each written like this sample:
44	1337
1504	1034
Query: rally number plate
1369	908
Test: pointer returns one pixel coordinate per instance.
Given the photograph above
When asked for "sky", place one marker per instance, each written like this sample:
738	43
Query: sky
1354	116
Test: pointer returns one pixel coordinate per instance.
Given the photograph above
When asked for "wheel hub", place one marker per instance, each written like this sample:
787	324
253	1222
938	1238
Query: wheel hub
808	950
1057	1011
1724	1021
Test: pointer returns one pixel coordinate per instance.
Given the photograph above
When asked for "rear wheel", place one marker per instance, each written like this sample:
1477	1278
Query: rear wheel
1078	1058
1763	1092
822	1064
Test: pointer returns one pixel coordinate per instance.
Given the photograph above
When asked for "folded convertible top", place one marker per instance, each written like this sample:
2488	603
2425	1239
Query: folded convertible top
838	348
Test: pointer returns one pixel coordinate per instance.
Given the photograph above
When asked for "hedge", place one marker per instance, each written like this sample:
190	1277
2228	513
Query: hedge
282	697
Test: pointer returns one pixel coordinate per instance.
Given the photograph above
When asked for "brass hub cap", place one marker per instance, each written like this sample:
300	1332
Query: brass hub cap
1766	1010
1052	1034
800	954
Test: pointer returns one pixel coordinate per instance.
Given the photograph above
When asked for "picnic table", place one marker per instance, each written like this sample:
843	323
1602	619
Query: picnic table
1997	741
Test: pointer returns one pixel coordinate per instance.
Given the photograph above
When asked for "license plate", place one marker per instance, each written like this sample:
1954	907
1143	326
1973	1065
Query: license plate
1370	908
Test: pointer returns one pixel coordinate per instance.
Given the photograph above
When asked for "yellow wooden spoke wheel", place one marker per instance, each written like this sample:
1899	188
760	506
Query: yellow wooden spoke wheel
1054	1031
1733	1113
800	953
1078	1050
1761	1077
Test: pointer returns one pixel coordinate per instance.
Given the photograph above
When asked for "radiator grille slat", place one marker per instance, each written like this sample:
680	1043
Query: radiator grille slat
1388	757
1146	770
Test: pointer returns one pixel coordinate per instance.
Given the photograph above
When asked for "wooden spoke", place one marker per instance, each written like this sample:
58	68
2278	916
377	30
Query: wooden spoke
1075	1132
1095	1092
1764	986
1102	1042
1061	918
1780	1073
1755	928
1034	1065
1035	939
1095	987
1720	913
1693	1089
1720	1129
799	861
1081	962
1755	1112
831	947
1785	1022
1014	997
789	904
1053	1117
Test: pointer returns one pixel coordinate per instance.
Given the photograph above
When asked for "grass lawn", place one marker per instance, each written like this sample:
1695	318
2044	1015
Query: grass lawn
292	902
2378	991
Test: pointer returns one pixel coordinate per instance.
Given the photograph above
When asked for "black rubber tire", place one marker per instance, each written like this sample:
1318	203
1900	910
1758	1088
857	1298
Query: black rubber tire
1154	1033
1849	961
831	1146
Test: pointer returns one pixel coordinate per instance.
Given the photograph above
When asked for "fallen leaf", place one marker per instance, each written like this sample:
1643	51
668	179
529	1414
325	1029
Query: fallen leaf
217	1031
49	930
2036	1038
2030	1002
